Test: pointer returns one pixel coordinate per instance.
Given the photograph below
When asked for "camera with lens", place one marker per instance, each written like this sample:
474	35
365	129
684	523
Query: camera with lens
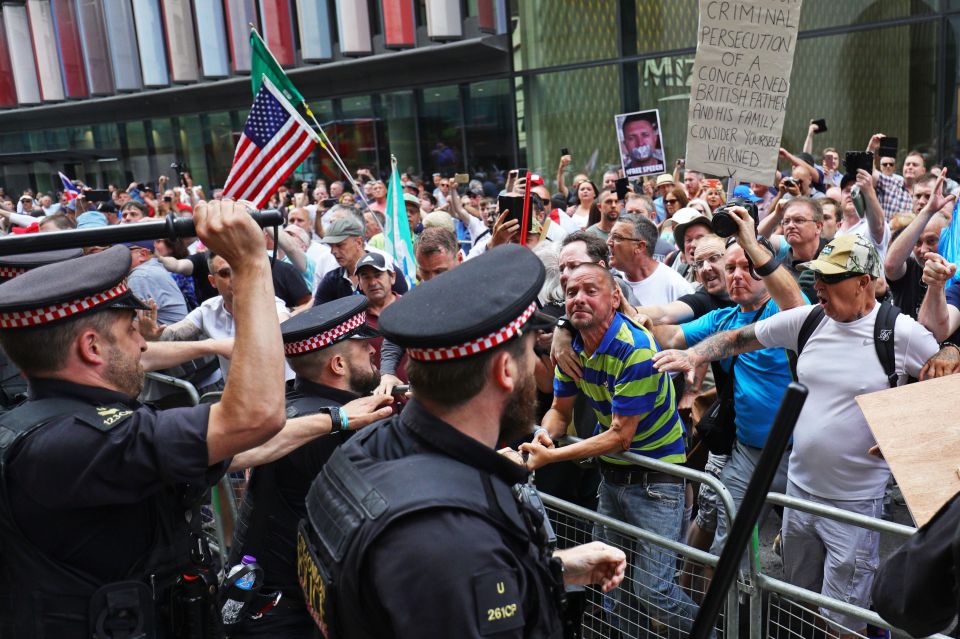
723	223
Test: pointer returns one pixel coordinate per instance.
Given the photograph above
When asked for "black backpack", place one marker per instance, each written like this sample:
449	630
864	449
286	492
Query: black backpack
883	332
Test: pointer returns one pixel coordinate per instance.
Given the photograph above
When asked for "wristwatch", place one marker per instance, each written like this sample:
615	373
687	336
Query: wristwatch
565	324
335	413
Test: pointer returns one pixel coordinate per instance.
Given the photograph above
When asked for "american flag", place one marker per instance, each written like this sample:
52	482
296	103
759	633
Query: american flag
69	188
275	141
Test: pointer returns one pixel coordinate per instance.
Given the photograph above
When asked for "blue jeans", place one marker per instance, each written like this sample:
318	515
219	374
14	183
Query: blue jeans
657	508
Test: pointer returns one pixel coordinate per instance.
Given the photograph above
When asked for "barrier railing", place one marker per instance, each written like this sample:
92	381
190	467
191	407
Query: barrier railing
642	606
773	607
179	384
645	604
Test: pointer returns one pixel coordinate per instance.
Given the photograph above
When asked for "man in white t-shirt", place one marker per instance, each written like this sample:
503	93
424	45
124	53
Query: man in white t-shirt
213	319
632	242
834	460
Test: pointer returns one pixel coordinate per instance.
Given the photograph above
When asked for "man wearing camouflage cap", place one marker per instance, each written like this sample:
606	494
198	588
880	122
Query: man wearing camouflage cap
844	346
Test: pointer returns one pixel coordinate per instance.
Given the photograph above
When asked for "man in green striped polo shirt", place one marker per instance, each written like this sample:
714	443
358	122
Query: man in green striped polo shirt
636	411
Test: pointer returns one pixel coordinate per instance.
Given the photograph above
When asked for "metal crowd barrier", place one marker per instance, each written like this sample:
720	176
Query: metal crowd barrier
181	385
782	610
759	606
638	615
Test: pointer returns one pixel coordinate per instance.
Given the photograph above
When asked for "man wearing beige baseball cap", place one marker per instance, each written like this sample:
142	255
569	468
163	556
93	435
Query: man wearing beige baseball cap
847	345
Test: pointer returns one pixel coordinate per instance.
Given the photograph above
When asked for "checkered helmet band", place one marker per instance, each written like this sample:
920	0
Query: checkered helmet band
11	272
475	346
327	337
45	315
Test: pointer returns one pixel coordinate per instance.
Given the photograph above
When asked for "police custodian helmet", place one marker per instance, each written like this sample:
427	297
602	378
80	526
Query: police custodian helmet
459	314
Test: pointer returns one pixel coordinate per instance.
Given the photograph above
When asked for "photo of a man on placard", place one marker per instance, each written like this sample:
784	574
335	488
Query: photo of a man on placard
641	150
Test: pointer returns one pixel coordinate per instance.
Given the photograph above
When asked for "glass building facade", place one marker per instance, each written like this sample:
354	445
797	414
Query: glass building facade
523	79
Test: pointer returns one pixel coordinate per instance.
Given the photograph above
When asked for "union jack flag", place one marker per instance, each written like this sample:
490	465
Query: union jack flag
69	188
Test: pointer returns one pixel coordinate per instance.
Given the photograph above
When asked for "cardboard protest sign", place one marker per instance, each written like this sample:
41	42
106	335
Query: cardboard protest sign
916	428
739	88
641	145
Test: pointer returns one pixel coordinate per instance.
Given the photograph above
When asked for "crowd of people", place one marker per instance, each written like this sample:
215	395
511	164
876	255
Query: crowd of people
663	318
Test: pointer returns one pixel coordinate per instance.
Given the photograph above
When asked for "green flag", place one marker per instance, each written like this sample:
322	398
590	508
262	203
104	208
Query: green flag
262	63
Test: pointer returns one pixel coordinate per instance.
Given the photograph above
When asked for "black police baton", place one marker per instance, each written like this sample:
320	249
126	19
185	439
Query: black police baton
172	228
729	563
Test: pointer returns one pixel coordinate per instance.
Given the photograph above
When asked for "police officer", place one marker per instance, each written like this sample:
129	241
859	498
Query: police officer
329	349
917	588
13	386
413	526
99	507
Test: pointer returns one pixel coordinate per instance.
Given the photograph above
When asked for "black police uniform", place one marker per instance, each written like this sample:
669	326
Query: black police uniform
274	502
96	489
272	507
13	385
917	588
413	527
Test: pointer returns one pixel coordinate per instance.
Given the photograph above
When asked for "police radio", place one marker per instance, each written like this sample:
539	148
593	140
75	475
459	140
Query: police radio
535	515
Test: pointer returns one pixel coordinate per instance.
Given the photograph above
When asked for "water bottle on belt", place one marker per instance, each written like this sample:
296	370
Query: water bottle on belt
240	593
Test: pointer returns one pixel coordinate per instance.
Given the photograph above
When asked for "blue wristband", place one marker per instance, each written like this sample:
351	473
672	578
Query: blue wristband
344	419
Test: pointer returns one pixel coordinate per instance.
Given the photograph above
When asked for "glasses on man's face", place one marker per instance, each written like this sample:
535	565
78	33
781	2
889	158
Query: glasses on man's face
224	273
616	237
794	221
889	165
713	260
670	201
835	278
444	185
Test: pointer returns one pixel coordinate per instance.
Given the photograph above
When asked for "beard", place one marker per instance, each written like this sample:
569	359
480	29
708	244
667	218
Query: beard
124	372
520	411
363	380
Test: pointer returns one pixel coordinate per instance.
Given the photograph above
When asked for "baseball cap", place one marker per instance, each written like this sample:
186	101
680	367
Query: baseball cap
375	260
665	179
411	198
851	253
744	192
342	229
26	197
91	219
144	244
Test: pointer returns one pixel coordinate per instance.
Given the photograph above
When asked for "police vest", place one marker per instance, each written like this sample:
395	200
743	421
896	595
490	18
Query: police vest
49	599
356	498
263	504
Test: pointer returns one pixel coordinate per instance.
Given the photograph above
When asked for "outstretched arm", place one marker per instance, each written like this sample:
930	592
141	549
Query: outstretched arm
716	347
301	430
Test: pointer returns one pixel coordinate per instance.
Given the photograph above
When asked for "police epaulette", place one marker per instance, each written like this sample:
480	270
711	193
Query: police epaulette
104	417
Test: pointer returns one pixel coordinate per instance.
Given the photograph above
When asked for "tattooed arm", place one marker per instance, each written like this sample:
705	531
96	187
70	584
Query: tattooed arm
182	331
715	347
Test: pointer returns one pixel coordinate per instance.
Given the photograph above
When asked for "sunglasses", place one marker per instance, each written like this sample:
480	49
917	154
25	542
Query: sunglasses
886	164
835	278
670	201
224	273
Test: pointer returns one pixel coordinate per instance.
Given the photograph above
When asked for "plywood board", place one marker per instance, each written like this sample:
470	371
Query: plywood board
918	429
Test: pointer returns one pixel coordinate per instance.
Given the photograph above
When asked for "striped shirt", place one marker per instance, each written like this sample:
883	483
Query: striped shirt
619	379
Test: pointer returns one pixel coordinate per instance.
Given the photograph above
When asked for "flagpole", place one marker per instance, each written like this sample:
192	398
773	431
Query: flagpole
324	141
327	145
